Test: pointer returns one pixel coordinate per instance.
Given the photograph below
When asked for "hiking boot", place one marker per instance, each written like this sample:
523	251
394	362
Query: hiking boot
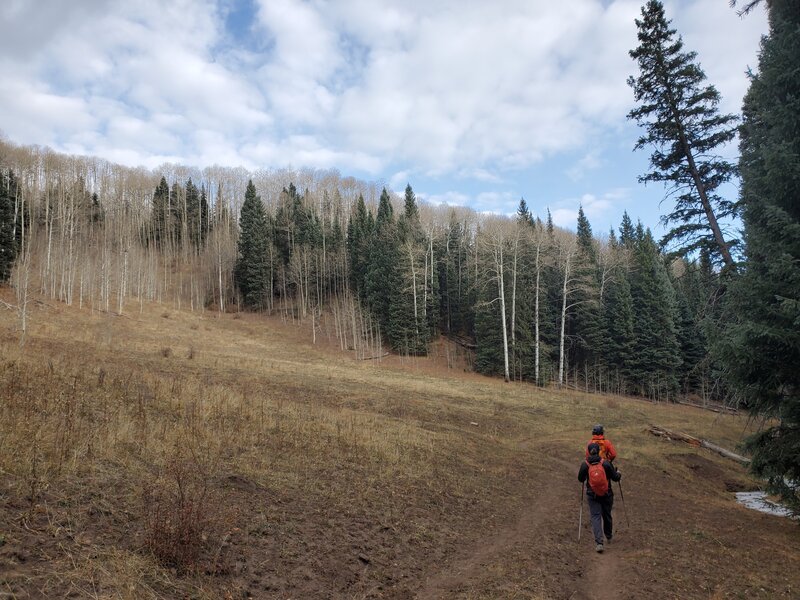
599	547
608	540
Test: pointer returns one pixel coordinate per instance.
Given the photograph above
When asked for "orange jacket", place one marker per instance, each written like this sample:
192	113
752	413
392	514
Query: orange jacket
607	450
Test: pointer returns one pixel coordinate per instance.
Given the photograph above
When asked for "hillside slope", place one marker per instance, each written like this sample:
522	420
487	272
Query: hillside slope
293	471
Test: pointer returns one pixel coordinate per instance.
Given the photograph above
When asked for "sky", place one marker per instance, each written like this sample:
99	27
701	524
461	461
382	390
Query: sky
474	103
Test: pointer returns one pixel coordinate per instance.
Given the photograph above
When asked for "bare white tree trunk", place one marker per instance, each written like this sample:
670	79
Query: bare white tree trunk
536	345
414	286
501	285
563	326
493	239
565	290
23	277
219	273
123	282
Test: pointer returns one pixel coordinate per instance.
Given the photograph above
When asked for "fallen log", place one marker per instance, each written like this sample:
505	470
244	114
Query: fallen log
463	341
717	409
375	357
697	443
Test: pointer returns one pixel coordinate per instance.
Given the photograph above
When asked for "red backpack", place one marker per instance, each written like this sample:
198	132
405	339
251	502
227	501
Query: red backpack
597	478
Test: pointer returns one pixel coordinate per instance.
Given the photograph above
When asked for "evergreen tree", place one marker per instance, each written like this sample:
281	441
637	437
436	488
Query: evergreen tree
196	214
657	354
691	342
760	346
359	243
8	235
682	121
382	276
620	341
160	214
627	232
456	291
488	335
252	268
550	307
523	359
584	323
176	213
408	305
288	222
524	213
409	226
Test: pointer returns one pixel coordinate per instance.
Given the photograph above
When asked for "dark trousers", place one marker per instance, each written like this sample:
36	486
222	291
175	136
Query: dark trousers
600	509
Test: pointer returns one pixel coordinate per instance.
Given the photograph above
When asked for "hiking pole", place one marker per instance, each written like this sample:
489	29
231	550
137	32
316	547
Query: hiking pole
580	514
624	508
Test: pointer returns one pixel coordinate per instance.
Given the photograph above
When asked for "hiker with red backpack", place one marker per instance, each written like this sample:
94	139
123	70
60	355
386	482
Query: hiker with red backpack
599	473
607	450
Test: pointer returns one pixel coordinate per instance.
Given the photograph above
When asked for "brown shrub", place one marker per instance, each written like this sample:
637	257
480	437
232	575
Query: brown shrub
184	517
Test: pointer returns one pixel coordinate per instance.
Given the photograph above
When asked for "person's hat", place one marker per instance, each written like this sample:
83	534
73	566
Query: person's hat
597	430
593	448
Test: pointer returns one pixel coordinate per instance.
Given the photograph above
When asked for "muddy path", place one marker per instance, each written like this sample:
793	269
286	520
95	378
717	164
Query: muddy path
536	552
670	539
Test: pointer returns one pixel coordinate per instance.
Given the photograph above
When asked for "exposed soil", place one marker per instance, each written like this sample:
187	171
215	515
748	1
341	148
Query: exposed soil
672	543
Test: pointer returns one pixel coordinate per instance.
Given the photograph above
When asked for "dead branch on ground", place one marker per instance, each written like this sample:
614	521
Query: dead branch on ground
697	443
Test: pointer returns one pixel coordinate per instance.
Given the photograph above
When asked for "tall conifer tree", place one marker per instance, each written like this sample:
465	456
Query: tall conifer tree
585	325
619	344
657	354
408	305
680	116
760	346
160	215
382	276
359	242
8	241
252	268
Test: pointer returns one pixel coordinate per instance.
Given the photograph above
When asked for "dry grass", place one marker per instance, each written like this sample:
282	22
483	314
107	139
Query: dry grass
137	445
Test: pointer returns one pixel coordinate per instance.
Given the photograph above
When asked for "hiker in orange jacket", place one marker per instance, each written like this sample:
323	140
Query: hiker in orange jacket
599	474
607	450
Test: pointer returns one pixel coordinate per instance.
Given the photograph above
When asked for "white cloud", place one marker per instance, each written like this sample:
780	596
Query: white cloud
450	198
588	162
473	91
499	203
565	217
399	180
601	210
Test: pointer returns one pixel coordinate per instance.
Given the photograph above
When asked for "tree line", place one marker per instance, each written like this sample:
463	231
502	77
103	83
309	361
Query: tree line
534	302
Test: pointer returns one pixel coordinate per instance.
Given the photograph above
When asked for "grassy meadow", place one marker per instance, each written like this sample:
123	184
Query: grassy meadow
169	454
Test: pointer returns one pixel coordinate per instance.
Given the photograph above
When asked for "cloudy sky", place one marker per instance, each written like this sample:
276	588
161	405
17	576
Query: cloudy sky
474	103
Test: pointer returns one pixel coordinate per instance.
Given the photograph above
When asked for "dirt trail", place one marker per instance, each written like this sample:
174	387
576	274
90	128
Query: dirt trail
529	545
542	541
601	576
468	568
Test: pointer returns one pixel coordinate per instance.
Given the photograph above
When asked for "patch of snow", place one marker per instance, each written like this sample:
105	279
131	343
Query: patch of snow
758	501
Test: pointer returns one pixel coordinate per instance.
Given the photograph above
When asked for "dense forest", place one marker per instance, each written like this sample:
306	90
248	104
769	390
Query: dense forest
536	302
